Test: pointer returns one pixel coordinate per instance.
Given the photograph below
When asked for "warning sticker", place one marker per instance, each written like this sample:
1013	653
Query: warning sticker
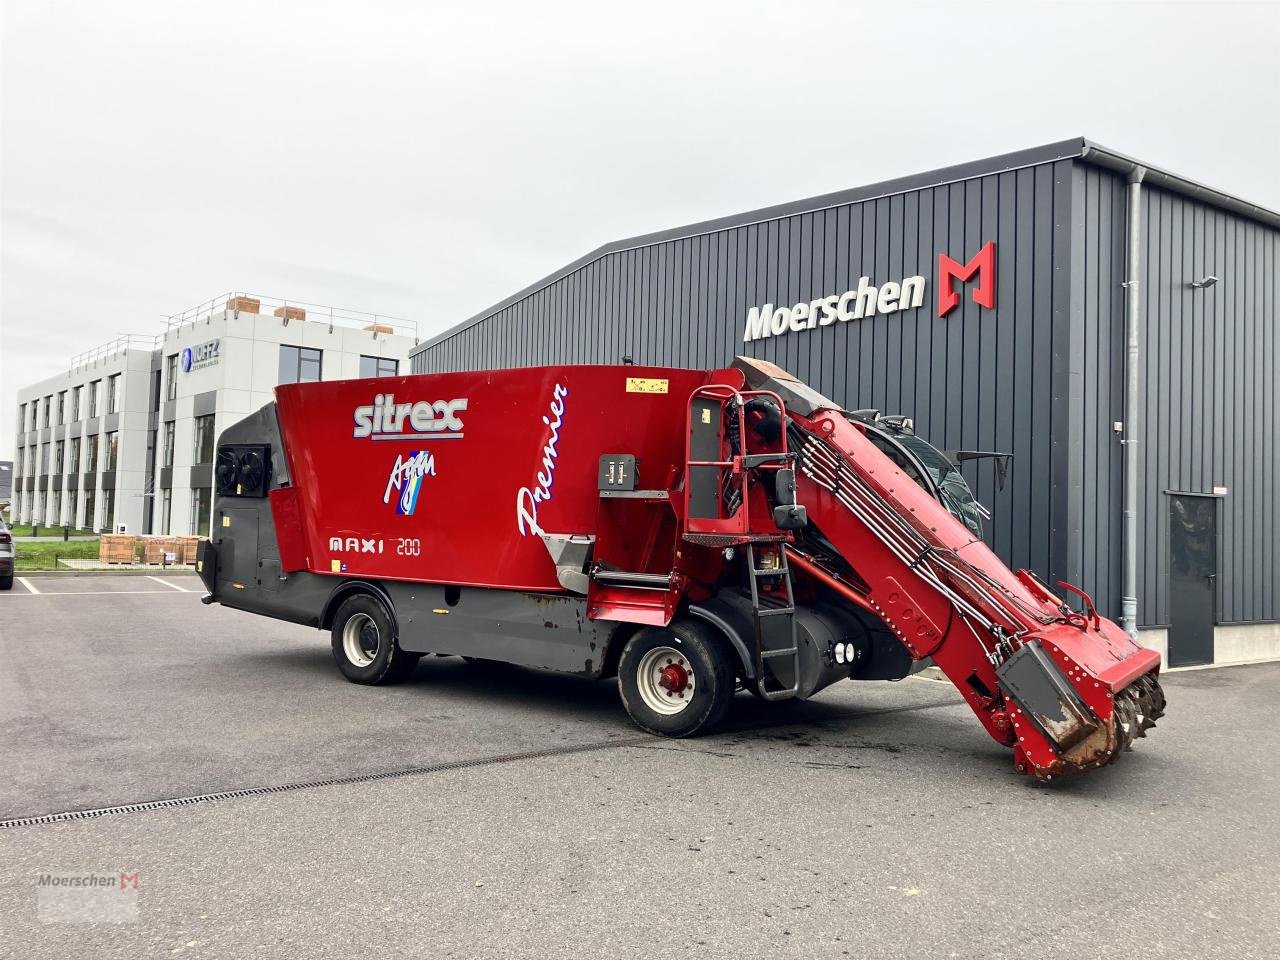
646	385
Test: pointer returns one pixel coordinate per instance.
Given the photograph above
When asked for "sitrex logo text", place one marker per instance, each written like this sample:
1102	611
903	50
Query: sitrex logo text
869	299
384	419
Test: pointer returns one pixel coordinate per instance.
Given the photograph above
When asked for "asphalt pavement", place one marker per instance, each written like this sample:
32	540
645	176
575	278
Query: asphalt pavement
530	818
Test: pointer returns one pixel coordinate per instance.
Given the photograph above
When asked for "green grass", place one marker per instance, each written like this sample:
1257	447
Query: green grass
45	556
25	530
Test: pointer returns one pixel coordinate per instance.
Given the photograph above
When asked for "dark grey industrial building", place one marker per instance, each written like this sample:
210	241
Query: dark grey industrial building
851	293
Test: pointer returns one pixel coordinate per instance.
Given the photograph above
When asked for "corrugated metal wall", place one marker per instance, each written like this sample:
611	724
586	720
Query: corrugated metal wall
978	379
1211	406
1040	377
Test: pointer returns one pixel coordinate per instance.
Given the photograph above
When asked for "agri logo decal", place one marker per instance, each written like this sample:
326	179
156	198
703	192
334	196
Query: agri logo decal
869	299
405	480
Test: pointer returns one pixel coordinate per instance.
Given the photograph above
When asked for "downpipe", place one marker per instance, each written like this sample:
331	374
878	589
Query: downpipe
1129	439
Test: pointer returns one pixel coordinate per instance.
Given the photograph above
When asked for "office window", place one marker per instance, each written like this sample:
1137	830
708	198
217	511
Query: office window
299	364
113	394
57	457
378	367
73	457
166	511
62	407
93	398
166	455
201	504
44	458
171	376
55	507
113	451
109	510
76	395
48	407
204	439
89	505
22	418
91	453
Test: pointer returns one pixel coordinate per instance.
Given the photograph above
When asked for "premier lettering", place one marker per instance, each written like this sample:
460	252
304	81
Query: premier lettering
865	301
385	419
528	498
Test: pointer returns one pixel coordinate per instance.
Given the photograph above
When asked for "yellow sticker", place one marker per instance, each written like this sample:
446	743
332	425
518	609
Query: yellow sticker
335	566
646	385
706	414
199	566
226	521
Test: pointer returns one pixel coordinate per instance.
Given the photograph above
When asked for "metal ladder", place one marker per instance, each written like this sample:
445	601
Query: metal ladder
758	615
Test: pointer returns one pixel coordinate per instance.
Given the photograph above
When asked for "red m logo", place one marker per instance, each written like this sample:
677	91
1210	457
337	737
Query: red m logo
984	265
127	878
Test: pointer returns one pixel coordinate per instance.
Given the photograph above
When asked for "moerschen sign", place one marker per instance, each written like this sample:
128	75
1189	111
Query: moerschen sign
869	299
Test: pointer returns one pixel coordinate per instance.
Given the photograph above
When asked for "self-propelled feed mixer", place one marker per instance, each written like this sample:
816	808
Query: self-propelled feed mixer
686	531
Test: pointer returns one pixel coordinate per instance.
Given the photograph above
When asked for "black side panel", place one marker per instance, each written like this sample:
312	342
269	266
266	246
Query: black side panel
237	528
704	444
546	631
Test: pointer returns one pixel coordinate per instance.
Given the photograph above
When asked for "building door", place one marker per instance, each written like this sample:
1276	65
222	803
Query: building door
1193	578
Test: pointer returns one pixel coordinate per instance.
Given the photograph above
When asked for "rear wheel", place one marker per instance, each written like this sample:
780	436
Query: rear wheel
6	583
364	643
675	681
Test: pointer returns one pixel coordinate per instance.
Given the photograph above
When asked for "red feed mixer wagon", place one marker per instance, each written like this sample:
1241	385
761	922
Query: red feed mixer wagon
686	531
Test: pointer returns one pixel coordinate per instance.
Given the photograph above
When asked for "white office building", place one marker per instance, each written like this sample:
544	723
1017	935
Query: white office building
124	440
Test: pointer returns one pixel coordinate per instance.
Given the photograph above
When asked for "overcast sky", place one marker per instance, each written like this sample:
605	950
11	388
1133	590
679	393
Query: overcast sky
424	160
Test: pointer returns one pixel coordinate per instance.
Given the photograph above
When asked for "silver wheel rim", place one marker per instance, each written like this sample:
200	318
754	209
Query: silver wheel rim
361	639
666	681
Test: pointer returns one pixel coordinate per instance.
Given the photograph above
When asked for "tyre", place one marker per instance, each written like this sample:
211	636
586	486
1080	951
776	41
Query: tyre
675	681
6	583
364	643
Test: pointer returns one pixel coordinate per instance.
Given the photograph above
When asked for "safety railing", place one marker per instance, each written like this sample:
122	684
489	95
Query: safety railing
289	311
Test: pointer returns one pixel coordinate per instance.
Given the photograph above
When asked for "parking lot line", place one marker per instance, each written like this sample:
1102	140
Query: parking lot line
96	593
168	584
27	583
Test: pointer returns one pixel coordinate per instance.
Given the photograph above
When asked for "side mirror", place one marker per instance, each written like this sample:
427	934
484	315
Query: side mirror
785	486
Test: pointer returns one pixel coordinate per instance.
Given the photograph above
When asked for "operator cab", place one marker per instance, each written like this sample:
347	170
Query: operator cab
930	468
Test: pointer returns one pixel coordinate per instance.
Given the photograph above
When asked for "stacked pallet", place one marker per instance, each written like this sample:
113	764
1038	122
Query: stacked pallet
116	548
186	549
156	549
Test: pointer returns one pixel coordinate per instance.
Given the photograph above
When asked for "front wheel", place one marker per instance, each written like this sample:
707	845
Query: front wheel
364	643
675	681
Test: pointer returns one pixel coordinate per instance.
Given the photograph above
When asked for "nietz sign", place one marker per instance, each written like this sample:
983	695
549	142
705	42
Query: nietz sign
200	356
868	298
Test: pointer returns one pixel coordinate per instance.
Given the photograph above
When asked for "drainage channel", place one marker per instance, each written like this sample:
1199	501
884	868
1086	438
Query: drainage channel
145	805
